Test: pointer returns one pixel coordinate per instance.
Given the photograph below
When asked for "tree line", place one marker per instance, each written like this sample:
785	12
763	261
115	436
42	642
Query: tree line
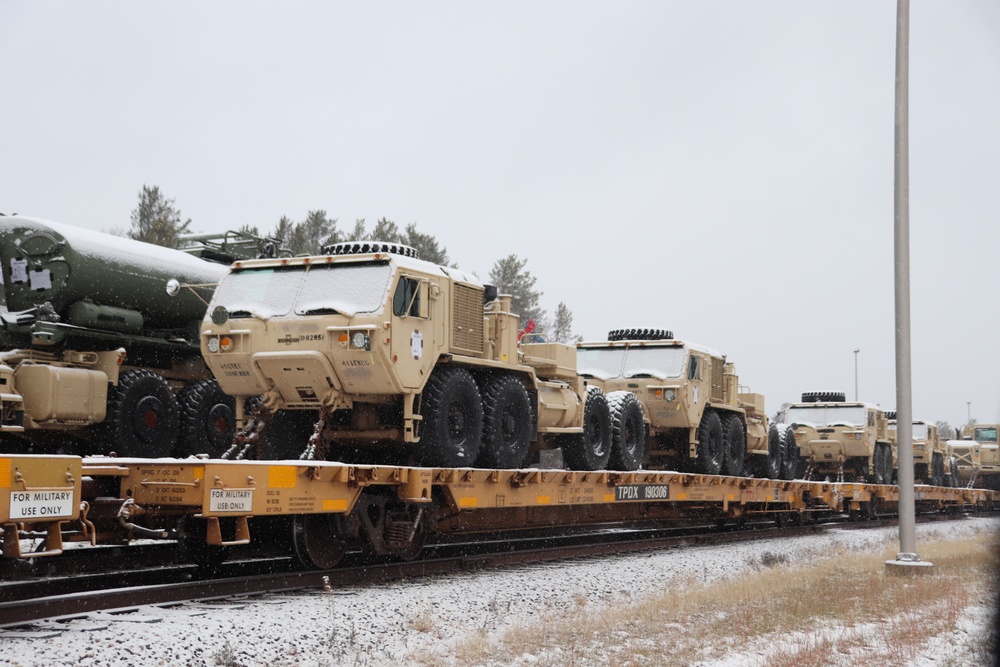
156	219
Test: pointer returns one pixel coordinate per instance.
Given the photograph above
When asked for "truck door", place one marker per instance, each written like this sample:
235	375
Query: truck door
412	331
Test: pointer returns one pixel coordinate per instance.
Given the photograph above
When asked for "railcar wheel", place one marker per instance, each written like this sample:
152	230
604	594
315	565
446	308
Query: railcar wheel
734	446
792	464
208	419
629	443
709	459
142	416
591	449
319	540
452	429
507	423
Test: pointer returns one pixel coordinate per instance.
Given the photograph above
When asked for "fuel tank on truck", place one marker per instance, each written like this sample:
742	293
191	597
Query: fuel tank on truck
96	281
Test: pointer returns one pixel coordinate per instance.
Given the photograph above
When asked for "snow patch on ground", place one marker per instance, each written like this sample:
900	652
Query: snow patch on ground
432	619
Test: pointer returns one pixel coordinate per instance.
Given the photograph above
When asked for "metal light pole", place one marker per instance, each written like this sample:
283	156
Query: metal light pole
856	374
907	555
968	414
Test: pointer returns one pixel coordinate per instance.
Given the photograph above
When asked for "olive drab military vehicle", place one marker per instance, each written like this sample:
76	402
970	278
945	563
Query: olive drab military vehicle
369	353
96	357
930	455
675	403
845	441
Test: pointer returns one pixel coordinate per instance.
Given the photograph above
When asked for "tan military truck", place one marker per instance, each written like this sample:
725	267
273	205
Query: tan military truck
930	454
840	440
977	454
688	397
367	353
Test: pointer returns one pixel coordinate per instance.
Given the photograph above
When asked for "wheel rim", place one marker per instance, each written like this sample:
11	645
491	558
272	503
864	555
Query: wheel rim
456	423
596	434
147	418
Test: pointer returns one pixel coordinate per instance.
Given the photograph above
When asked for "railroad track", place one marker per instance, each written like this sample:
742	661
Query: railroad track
118	594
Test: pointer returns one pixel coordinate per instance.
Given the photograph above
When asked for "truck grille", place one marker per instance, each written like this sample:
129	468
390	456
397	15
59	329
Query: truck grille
467	319
717	372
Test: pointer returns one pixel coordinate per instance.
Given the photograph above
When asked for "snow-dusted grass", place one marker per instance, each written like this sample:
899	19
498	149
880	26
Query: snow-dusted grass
844	609
790	601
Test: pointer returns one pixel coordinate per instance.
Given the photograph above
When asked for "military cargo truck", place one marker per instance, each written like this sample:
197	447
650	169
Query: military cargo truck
978	455
845	441
369	353
930	454
694	414
96	357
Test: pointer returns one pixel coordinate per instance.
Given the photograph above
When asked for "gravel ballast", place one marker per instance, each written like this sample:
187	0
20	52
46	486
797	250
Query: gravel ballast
422	621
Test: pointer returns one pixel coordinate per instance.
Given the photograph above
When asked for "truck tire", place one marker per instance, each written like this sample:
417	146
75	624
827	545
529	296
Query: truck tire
953	480
792	465
507	424
823	397
937	470
734	445
451	433
709	459
142	417
773	463
879	466
640	334
208	419
591	449
629	443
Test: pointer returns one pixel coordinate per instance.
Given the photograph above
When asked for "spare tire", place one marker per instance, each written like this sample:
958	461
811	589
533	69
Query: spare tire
640	334
823	397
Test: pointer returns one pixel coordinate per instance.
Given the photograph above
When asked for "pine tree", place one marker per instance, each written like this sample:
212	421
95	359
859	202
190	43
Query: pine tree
157	220
510	277
562	325
318	231
425	245
359	231
387	231
284	231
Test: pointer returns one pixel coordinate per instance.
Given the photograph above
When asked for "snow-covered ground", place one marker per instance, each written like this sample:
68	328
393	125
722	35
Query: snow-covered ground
429	620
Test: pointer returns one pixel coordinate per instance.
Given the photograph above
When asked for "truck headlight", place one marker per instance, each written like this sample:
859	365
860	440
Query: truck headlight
213	344
360	340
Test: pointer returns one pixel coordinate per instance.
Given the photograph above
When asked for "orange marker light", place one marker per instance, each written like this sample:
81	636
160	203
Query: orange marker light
226	343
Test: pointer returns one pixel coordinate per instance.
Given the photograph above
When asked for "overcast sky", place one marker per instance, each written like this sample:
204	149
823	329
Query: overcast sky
723	170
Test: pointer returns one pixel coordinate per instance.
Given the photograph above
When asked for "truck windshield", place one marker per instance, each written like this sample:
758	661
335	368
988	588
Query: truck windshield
827	415
986	434
330	288
631	362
